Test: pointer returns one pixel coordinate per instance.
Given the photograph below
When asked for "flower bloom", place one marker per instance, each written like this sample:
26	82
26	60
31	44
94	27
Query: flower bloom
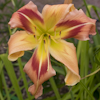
45	32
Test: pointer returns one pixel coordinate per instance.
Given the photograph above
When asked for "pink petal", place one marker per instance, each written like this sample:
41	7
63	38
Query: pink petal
20	42
75	25
39	69
66	53
27	18
53	13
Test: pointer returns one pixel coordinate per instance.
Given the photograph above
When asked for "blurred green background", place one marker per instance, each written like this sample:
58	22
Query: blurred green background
14	82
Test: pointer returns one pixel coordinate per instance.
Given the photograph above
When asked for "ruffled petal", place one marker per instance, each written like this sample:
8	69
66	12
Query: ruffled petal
39	69
27	18
20	42
66	53
52	14
75	25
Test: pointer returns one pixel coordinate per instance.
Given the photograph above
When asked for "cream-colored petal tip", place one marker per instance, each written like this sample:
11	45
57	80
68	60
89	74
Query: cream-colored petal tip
15	56
71	81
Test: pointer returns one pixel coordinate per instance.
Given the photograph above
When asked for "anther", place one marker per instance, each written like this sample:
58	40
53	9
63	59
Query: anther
35	28
60	33
55	33
49	37
44	41
34	35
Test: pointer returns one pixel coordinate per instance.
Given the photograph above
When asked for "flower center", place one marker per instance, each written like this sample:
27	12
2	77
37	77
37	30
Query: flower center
45	35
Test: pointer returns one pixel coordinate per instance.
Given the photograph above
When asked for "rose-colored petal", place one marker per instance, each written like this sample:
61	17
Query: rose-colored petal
66	53
20	42
39	69
39	92
52	14
67	1
77	25
27	18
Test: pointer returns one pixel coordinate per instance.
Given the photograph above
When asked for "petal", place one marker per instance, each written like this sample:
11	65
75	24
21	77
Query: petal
76	25
39	69
52	14
66	53
27	17
39	92
67	1
20	42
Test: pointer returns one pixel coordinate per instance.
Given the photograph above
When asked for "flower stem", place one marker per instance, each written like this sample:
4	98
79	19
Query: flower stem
92	98
91	74
10	33
1	98
87	8
96	37
79	49
55	89
23	76
72	96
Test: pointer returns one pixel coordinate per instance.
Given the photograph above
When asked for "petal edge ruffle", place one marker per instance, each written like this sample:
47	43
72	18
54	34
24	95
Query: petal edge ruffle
28	18
66	53
39	69
20	42
76	25
53	13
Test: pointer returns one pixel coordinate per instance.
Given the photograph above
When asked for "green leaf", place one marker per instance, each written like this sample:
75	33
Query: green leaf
1	97
12	76
59	70
54	87
23	77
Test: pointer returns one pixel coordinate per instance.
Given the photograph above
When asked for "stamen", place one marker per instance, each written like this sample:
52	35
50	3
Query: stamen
34	35
53	39
35	28
41	37
44	41
55	30
49	37
49	40
44	44
60	34
55	33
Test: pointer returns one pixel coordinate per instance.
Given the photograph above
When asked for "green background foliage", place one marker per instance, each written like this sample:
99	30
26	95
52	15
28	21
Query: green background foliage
88	55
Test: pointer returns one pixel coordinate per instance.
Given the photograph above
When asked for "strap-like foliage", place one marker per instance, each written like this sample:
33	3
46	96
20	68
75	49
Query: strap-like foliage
14	82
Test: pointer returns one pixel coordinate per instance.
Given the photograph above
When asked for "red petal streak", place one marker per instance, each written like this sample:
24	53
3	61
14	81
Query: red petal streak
76	25
69	23
26	23
38	74
74	32
27	18
35	65
44	67
31	14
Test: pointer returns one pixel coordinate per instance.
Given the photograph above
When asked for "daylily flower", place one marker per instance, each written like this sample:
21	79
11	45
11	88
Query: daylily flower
45	32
